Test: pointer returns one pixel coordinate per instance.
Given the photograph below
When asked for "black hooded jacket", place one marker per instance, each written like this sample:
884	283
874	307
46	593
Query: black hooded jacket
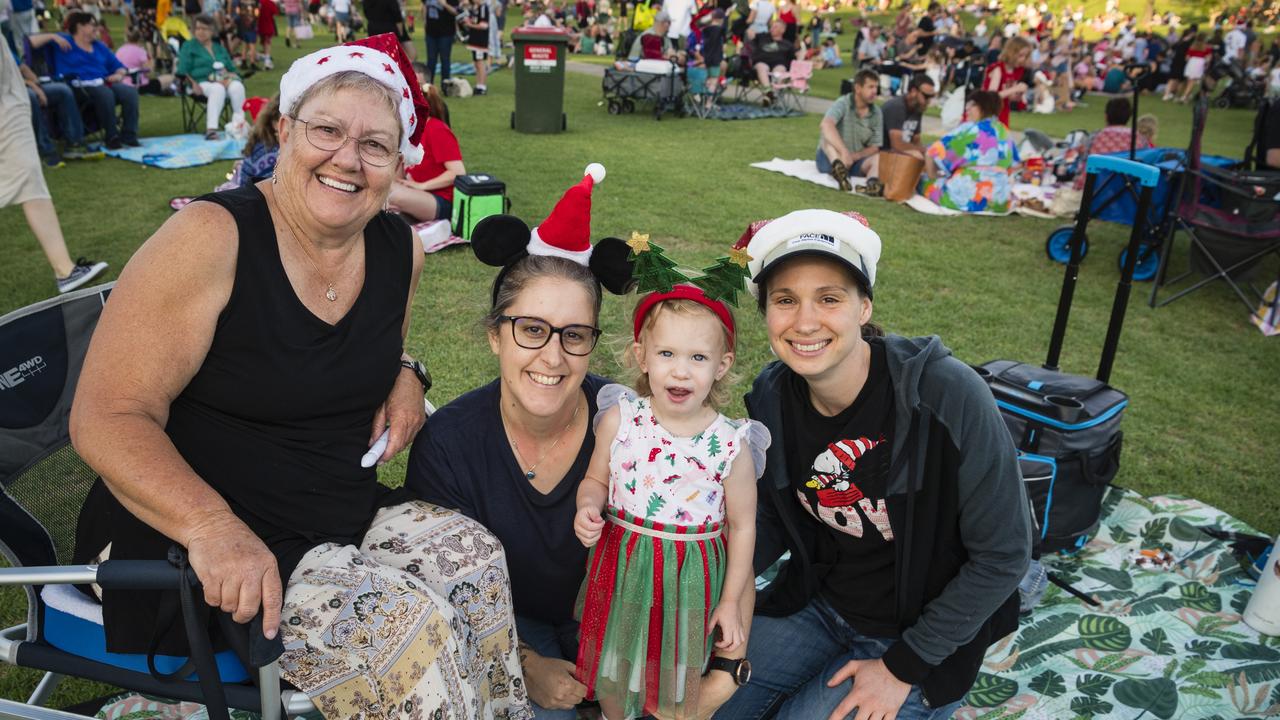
956	506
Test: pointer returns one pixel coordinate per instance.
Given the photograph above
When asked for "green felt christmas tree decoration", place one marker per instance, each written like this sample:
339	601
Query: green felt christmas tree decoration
654	271
724	280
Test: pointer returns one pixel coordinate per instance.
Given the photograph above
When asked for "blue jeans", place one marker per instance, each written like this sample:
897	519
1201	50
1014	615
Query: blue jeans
439	47
824	164
62	105
789	678
44	143
554	641
105	98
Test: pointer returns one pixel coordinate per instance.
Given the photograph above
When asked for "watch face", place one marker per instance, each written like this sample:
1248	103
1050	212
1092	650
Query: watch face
744	672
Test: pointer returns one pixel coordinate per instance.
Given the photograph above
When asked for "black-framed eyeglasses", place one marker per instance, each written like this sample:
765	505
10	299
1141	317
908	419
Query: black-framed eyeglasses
532	333
332	138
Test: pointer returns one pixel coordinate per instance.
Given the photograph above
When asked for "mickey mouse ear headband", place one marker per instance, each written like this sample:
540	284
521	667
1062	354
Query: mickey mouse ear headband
502	240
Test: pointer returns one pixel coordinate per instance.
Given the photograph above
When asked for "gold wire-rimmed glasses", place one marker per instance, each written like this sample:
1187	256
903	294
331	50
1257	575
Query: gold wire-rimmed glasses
331	138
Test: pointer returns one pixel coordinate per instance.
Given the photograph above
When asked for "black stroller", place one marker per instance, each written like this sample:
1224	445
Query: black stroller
1241	91
1231	218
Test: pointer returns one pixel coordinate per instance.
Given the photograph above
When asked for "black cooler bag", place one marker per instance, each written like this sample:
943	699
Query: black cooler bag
1067	431
1067	427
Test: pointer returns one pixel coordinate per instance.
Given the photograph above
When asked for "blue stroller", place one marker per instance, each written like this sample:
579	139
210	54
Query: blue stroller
1115	199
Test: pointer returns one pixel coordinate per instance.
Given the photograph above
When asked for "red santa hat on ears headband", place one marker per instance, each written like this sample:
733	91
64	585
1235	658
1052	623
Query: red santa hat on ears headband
566	232
381	58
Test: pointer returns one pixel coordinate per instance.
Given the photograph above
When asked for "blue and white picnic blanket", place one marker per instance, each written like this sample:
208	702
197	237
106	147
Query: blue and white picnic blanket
750	111
466	68
180	151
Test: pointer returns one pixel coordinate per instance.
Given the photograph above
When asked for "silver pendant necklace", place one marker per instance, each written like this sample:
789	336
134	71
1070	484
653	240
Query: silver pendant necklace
530	474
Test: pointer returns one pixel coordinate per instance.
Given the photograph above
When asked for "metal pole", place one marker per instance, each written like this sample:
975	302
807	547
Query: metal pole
47	685
1072	272
269	691
1125	287
50	575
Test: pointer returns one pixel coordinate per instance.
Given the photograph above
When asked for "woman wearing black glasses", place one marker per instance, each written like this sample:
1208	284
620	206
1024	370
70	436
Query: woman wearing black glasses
511	454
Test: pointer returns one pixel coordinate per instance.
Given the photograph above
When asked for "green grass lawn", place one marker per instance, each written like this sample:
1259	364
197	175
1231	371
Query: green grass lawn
1203	416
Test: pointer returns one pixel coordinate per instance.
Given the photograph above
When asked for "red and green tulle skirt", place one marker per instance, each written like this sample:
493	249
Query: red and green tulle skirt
643	610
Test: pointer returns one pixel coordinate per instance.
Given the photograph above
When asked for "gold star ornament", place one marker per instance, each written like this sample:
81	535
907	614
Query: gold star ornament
639	242
739	257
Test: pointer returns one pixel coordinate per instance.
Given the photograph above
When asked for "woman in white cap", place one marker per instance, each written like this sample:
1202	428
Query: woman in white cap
251	354
895	488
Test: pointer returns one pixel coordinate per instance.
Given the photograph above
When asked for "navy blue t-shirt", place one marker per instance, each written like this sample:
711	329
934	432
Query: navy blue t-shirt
462	460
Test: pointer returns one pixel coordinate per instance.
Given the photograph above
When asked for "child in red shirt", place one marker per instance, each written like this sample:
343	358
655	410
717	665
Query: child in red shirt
426	191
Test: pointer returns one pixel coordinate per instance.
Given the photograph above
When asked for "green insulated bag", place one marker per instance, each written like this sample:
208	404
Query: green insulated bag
476	197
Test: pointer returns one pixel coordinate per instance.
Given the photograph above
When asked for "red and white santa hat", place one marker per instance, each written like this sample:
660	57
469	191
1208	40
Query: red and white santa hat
504	240
566	232
381	58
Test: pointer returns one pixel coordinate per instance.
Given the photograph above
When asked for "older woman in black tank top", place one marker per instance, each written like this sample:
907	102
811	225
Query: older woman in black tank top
250	355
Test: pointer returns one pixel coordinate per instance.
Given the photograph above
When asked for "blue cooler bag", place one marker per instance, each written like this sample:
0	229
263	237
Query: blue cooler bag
1067	431
1067	427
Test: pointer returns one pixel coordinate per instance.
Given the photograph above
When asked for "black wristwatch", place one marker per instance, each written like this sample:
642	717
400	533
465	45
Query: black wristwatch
420	371
739	669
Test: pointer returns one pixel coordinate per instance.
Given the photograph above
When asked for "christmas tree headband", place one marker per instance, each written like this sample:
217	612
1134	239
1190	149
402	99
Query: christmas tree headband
656	274
683	292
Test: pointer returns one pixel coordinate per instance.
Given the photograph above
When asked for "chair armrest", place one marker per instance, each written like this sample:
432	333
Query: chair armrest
146	575
113	574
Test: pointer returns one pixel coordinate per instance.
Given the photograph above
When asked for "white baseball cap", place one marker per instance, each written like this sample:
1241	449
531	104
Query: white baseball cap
843	236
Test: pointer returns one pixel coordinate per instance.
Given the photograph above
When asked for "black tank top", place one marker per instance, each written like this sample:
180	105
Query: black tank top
279	414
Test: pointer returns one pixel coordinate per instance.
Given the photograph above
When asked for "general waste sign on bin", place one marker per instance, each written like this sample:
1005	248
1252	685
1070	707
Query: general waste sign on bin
540	58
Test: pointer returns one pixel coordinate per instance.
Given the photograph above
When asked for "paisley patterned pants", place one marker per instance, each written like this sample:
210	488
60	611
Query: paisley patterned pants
416	622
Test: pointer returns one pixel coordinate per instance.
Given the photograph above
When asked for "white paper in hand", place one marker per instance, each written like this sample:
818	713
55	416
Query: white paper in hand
380	446
371	458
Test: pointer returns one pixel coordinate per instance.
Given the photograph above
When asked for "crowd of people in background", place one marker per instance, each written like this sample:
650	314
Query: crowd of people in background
83	83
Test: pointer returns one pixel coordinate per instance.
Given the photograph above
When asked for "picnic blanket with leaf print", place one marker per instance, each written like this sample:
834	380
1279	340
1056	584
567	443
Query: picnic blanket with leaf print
1163	644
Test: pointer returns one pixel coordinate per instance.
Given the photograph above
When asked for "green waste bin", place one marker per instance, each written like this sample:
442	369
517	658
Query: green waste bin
540	57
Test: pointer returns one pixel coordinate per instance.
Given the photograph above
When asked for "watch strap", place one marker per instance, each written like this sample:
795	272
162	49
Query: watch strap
419	371
733	666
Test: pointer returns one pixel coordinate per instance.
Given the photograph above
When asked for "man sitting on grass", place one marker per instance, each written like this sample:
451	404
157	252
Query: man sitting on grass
852	132
903	115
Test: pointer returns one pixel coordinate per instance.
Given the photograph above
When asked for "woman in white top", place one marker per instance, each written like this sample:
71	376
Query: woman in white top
762	12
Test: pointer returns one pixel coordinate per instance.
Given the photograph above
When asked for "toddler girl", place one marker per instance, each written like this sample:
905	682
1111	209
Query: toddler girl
667	473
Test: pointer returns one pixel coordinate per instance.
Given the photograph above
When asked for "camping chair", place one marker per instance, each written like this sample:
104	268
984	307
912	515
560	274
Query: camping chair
1231	219
791	87
742	75
41	62
44	483
195	106
699	101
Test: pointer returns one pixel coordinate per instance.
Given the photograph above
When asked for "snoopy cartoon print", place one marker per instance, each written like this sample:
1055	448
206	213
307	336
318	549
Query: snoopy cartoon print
831	480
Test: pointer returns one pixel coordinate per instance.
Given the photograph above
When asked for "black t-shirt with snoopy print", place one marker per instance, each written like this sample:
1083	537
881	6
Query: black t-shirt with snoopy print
839	469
